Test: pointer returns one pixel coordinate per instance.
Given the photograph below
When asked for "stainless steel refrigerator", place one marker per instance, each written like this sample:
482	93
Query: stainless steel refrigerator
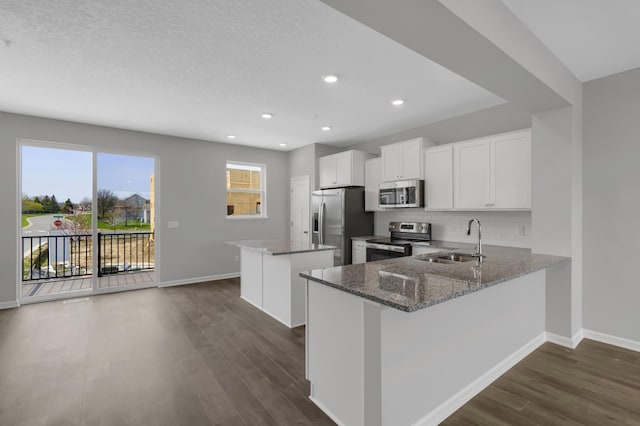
338	215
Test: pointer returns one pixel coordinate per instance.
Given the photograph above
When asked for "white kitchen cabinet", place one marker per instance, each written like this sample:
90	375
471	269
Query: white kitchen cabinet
438	173
358	251
493	172
512	170
403	160
372	179
472	174
342	169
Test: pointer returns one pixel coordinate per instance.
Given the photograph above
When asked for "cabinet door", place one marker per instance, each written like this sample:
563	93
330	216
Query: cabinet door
438	164
512	169
472	174
358	252
328	171
373	177
411	159
391	162
344	168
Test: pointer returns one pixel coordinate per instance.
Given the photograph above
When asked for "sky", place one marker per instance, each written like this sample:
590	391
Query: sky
68	174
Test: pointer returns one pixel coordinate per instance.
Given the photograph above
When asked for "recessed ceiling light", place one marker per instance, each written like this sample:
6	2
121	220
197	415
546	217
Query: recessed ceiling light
283	144
267	115
397	102
231	136
330	78
326	128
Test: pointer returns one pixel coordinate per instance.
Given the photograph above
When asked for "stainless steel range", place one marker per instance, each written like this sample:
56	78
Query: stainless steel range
403	234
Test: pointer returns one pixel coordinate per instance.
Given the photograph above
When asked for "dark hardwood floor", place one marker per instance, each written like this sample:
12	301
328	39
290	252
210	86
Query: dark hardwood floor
188	355
595	384
199	355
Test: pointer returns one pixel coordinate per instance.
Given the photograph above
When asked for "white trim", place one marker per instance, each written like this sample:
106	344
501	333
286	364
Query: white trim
9	305
199	279
251	303
612	340
448	407
326	411
567	342
271	315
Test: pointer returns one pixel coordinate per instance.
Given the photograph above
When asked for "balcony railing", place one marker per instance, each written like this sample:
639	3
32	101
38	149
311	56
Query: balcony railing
71	255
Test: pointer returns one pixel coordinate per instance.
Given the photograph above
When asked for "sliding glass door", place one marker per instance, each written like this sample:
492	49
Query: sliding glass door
87	222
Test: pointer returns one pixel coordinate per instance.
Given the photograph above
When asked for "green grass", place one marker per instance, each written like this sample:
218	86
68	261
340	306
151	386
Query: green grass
28	215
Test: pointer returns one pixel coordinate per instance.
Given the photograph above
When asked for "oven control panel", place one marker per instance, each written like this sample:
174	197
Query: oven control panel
415	227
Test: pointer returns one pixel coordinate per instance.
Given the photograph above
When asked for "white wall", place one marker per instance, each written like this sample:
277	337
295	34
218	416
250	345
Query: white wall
191	190
611	205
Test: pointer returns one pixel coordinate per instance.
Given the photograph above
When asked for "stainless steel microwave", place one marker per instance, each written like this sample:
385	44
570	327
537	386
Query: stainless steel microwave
401	193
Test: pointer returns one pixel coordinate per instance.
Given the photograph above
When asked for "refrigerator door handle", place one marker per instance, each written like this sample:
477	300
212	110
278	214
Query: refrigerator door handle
321	224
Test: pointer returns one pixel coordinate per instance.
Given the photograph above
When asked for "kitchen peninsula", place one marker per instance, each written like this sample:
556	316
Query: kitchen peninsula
269	275
407	341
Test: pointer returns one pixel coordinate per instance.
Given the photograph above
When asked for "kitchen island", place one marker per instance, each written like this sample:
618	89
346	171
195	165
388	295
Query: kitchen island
269	275
407	341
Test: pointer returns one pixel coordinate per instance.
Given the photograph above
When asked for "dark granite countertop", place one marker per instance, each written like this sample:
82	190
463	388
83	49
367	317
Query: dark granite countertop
410	284
279	247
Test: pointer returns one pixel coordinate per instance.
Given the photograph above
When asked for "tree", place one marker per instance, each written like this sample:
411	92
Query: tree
68	206
86	203
106	202
29	206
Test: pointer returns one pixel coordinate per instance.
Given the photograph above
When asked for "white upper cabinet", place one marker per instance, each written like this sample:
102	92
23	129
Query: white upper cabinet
512	170
342	169
493	172
438	173
472	168
403	160
372	179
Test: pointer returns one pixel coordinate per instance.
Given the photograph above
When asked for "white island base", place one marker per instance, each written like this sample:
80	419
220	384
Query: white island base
271	282
370	364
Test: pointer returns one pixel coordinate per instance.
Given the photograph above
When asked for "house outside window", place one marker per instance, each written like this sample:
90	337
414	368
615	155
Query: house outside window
246	190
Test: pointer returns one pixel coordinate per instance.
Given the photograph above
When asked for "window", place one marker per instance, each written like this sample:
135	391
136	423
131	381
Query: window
246	192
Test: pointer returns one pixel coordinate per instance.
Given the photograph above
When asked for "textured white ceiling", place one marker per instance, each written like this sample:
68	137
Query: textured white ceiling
208	68
593	38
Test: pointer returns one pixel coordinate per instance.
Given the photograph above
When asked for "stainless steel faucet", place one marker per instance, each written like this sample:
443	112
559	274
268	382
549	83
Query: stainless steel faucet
478	252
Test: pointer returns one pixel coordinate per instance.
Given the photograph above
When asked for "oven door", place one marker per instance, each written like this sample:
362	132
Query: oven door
383	251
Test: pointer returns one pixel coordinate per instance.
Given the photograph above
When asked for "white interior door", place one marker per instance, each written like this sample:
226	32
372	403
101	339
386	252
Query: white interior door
300	219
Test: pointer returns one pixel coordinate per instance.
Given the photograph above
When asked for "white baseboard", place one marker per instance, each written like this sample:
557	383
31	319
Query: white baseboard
199	279
448	407
9	305
612	340
571	343
326	411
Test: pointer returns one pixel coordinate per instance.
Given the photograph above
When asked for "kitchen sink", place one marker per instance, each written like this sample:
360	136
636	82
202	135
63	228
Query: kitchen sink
448	258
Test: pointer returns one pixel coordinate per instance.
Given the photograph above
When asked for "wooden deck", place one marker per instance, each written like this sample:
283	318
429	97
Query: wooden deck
47	287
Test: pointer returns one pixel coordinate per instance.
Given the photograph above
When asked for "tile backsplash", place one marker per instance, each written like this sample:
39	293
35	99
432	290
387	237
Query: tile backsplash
511	229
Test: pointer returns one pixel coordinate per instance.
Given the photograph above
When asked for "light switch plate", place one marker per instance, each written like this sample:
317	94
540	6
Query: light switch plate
173	224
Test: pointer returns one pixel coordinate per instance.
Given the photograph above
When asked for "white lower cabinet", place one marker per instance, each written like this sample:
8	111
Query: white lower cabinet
358	251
